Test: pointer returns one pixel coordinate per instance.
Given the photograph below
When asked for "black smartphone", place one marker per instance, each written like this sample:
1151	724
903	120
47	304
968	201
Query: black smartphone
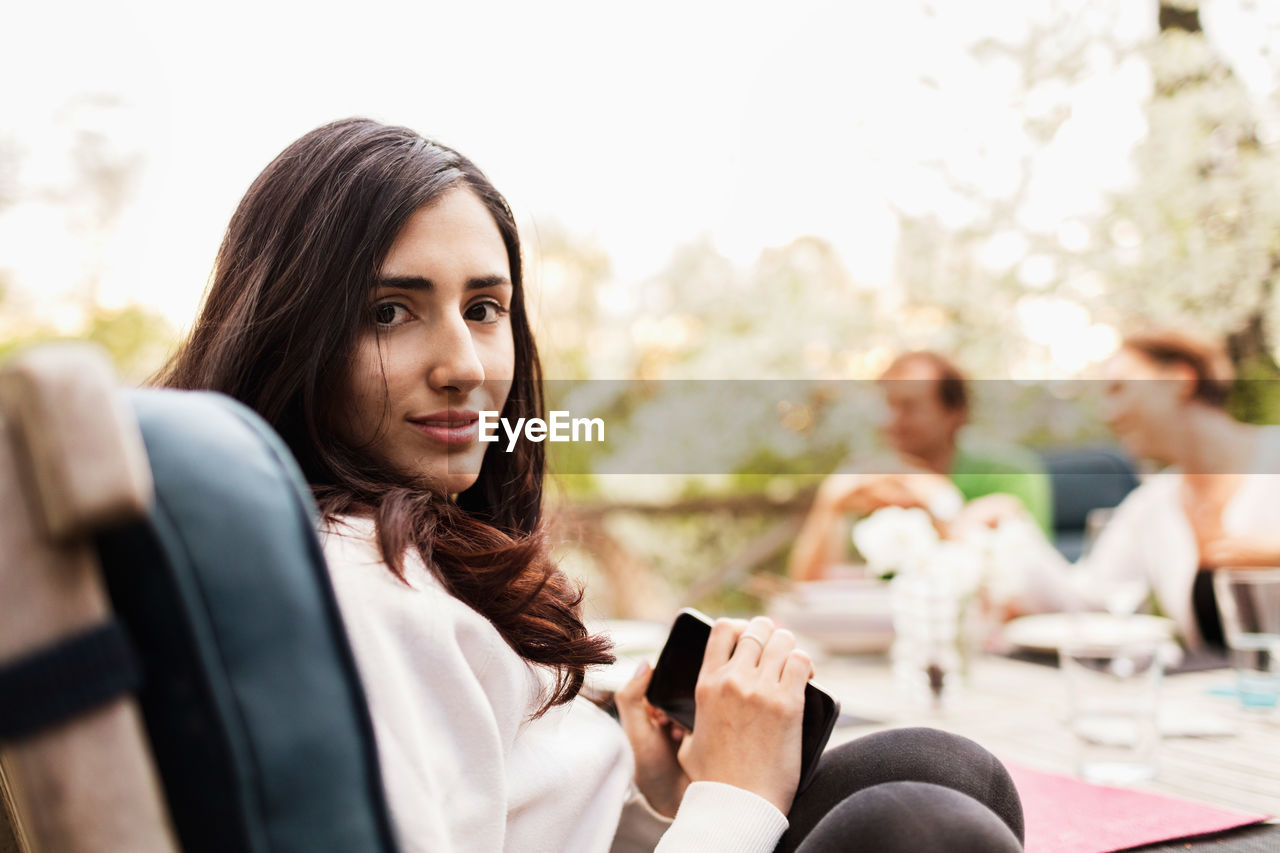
676	674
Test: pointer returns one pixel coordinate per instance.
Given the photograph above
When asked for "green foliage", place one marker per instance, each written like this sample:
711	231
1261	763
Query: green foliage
136	339
1255	398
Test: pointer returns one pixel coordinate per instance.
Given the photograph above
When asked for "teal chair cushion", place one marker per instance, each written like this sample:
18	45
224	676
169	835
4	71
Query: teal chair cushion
252	702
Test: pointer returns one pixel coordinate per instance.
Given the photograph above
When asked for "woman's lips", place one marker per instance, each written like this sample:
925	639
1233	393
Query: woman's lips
450	428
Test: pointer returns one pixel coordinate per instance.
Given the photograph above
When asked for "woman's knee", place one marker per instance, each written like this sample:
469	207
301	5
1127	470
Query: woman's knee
911	817
916	755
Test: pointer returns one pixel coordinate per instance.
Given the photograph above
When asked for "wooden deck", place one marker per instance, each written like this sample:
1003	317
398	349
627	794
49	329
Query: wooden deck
1016	709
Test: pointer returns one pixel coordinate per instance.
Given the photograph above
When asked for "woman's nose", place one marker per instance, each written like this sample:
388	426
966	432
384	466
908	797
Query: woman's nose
455	364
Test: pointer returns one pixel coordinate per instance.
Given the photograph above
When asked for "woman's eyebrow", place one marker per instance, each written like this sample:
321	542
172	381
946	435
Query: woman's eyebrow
417	282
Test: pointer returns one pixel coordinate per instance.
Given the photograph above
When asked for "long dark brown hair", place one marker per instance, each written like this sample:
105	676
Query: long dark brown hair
280	321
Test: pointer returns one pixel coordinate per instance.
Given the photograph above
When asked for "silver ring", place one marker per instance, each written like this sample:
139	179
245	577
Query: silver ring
747	635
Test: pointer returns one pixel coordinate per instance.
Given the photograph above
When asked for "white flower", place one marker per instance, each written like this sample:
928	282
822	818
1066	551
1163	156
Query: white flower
956	566
893	539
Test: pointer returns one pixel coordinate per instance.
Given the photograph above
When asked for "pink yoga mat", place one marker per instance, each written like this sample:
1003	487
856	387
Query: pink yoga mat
1066	815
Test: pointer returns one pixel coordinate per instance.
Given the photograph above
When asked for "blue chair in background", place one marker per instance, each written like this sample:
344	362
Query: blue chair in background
1084	479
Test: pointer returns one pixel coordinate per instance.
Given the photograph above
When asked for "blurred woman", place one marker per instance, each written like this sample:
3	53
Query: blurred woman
1213	505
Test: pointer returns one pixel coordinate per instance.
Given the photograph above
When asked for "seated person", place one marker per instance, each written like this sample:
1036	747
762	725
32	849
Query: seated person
927	406
368	302
1213	505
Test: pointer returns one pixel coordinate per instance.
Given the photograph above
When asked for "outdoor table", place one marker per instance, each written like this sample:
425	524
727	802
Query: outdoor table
1017	710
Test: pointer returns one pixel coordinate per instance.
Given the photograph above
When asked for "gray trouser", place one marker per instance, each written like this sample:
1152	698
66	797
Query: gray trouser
917	790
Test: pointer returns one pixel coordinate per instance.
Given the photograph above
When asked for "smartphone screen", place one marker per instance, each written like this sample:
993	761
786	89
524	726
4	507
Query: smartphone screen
676	674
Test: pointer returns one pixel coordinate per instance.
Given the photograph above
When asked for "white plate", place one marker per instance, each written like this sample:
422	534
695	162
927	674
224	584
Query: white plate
1048	632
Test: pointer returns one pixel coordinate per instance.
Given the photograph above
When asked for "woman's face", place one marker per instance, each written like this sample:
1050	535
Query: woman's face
1142	399
437	346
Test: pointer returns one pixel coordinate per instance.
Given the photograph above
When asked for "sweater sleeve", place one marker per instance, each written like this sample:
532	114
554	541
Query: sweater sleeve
712	817
717	817
1051	583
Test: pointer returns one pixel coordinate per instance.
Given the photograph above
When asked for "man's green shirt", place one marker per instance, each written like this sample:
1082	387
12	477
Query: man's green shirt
1009	470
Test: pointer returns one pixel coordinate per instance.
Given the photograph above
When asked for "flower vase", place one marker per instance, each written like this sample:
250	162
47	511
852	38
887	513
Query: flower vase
929	653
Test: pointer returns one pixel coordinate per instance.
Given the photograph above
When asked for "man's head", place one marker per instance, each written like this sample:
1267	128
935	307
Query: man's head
927	404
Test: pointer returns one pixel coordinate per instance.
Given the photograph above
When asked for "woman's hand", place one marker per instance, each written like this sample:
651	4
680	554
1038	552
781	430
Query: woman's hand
654	740
750	706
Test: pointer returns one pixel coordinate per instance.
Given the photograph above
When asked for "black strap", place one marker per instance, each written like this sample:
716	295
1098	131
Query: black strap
72	676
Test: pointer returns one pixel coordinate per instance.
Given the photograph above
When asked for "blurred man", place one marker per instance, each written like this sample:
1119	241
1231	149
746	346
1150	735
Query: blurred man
927	405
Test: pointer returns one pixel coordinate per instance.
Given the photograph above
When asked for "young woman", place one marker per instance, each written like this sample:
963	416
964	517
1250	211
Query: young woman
368	302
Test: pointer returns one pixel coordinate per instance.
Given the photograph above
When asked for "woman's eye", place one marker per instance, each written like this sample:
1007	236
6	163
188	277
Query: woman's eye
487	311
390	314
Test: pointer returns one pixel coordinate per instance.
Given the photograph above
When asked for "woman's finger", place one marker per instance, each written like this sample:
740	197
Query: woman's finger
724	633
634	689
797	669
781	643
752	642
685	754
629	700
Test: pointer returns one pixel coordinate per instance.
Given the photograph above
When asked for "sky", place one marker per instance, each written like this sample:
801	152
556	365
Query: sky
641	127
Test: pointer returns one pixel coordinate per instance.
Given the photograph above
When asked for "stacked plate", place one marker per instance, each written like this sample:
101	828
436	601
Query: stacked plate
845	616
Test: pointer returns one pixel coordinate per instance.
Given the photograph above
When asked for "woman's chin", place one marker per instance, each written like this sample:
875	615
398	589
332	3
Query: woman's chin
460	481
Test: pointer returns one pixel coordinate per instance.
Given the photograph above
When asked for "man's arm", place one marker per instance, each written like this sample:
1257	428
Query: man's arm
820	543
823	539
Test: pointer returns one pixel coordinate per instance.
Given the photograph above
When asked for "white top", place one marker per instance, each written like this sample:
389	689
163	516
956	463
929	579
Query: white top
1150	538
464	766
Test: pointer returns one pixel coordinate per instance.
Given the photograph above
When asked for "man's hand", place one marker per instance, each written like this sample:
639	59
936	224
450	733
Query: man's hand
989	511
863	494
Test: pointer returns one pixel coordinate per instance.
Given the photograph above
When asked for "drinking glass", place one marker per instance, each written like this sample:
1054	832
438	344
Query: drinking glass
1112	697
1249	604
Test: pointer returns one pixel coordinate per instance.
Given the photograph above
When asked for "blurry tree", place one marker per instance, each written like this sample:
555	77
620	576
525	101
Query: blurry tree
1197	242
136	339
100	179
1193	241
104	174
570	277
1198	239
965	280
795	313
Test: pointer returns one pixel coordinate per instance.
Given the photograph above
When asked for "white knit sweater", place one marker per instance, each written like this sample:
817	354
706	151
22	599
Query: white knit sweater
464	766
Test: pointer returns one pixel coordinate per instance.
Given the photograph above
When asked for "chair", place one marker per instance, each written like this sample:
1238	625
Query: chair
173	669
1084	479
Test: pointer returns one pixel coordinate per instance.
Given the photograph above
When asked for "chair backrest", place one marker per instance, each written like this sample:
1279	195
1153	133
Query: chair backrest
252	701
253	708
1084	479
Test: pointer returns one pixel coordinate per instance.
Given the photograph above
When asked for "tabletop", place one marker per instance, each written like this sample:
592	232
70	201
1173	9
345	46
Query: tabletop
1016	710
